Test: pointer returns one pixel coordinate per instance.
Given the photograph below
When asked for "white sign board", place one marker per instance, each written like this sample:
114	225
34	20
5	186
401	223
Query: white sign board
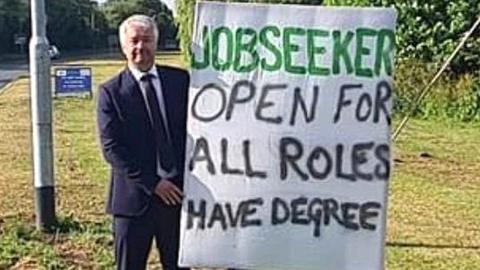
288	155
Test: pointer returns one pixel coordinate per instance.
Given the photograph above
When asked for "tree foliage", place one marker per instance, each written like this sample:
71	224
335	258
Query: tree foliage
68	20
184	20
117	11
14	19
78	24
429	31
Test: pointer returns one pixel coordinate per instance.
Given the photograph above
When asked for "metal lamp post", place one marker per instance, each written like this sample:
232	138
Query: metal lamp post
41	105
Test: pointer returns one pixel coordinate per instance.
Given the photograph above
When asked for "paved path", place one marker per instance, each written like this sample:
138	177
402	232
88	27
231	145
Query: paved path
11	72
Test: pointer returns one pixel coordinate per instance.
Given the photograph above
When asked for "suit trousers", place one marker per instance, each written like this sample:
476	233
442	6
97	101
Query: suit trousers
133	237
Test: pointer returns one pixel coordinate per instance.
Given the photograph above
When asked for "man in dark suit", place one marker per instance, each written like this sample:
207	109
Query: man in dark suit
141	117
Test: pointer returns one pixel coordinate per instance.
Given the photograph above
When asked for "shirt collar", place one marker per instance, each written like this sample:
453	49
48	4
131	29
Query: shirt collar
137	74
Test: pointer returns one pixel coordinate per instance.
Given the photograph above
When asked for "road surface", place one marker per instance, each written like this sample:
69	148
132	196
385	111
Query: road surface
11	72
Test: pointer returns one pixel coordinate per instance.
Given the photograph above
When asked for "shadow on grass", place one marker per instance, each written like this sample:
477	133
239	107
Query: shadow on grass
25	228
65	229
426	245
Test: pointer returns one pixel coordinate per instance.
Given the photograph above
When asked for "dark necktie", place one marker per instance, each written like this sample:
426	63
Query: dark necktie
163	145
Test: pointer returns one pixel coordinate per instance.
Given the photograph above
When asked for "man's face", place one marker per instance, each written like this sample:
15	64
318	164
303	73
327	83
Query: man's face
139	47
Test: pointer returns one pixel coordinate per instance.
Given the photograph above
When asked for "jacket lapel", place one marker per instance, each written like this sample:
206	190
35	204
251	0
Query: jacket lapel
170	99
168	95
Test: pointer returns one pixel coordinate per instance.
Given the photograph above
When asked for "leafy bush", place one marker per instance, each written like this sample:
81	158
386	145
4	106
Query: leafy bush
430	30
184	20
455	97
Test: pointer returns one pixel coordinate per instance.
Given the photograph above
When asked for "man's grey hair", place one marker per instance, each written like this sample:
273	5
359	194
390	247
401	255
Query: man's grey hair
140	20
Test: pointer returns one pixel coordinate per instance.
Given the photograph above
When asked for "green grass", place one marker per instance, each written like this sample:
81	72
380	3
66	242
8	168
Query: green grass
434	209
434	215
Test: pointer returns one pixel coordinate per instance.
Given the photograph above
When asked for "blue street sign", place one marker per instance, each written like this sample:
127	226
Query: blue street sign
73	80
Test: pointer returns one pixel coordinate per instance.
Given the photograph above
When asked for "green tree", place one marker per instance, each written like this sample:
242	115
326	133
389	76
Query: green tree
430	31
70	19
184	20
117	11
14	19
347	2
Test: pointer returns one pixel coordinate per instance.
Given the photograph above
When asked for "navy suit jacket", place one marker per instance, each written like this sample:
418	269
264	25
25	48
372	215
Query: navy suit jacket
127	139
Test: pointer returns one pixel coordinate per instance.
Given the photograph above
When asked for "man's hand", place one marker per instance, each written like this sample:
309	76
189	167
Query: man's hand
168	192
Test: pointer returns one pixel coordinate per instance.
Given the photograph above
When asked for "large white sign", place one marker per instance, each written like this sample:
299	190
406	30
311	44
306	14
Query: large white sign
288	155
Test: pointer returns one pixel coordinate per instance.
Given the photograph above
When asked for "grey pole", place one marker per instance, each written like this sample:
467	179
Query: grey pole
41	102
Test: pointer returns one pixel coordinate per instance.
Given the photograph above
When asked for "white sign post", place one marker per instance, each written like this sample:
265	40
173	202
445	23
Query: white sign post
288	155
